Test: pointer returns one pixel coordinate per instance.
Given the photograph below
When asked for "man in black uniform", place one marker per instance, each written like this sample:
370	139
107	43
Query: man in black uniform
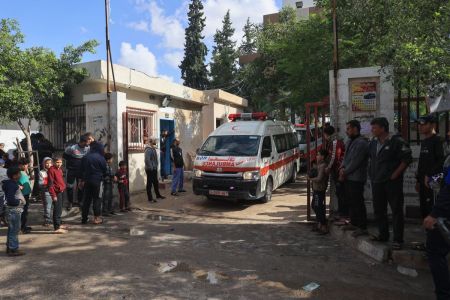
389	158
437	247
430	162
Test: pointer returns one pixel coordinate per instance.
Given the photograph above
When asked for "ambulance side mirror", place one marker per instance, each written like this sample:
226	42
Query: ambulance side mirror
266	153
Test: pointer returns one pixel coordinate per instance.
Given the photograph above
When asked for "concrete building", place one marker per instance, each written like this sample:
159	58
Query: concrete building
141	107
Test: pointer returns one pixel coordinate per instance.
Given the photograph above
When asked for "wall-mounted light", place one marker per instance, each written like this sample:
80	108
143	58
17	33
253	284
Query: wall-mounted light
166	101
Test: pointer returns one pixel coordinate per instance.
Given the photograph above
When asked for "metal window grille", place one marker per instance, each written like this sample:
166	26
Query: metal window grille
67	129
141	126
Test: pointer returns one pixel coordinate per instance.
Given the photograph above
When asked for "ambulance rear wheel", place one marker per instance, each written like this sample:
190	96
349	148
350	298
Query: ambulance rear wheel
269	189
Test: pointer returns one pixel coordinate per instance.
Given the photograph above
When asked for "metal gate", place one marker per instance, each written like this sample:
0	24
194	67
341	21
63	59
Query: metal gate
67	129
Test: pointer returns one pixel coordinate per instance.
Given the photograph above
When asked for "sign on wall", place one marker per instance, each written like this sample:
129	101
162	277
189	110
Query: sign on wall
364	96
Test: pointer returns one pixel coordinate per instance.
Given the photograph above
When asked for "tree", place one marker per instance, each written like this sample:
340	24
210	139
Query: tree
193	67
410	36
35	83
224	56
248	44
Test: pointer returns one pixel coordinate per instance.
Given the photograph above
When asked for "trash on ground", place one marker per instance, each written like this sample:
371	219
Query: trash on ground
407	271
136	232
167	267
311	287
212	278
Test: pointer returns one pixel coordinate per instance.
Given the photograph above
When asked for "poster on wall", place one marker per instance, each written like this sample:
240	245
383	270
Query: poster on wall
364	96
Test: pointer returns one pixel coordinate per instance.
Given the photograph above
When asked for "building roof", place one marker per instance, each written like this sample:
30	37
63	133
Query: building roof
140	81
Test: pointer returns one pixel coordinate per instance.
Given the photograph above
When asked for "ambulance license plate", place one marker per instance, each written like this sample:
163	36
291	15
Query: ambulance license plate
218	193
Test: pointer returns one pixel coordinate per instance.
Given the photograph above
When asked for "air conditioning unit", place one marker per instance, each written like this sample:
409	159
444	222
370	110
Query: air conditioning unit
299	4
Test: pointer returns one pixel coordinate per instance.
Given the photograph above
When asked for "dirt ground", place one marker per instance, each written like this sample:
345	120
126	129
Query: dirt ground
191	248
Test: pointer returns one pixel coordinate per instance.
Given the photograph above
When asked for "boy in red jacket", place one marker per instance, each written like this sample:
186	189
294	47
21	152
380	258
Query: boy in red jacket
56	187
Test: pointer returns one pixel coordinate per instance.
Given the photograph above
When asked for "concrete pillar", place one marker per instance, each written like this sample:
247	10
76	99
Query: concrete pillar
97	120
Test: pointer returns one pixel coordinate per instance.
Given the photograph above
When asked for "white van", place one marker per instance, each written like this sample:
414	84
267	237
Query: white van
315	146
247	158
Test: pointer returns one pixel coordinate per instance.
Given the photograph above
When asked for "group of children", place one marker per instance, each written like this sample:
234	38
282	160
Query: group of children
16	190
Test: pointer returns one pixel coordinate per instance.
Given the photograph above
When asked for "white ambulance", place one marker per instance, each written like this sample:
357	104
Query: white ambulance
247	158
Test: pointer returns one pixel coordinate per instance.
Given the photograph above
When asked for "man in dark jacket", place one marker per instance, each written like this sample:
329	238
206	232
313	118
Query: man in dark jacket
437	248
178	163
430	162
73	156
93	169
151	169
389	158
354	174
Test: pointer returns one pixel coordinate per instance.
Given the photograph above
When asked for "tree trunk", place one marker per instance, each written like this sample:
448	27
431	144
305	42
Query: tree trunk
27	131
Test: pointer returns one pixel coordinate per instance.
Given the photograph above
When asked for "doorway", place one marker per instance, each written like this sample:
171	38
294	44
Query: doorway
169	125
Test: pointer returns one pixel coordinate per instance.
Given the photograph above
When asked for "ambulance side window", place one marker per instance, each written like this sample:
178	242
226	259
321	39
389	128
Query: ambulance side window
266	147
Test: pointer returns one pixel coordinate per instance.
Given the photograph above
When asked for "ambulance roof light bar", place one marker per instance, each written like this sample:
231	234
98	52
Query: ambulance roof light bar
261	116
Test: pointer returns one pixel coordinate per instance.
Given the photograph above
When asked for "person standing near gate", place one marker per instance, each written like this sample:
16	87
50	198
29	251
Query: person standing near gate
178	162
354	174
430	162
151	169
437	247
389	158
163	142
336	149
73	156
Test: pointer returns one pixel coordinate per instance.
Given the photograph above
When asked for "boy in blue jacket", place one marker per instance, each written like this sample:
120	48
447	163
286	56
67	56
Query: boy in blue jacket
14	202
93	170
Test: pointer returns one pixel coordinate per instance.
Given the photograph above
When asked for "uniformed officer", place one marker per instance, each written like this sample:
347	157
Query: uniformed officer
430	162
436	246
389	158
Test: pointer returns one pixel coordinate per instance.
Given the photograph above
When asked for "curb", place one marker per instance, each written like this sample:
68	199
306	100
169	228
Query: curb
377	251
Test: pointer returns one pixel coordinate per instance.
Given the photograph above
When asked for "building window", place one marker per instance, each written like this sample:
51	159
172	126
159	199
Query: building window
141	126
219	122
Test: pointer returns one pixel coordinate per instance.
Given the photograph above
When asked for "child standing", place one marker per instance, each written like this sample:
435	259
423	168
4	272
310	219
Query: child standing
319	180
122	183
108	180
47	163
56	187
14	202
3	176
25	186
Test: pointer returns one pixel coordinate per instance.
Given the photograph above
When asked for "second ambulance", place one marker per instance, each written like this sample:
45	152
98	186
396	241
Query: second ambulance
247	158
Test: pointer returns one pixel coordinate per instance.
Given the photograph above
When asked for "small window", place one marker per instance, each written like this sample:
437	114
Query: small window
140	127
219	122
267	144
281	142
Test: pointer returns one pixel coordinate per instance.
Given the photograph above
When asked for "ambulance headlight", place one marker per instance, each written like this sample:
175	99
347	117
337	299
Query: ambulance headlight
251	175
198	173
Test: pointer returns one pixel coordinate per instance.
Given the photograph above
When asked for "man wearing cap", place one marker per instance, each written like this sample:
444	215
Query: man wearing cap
430	162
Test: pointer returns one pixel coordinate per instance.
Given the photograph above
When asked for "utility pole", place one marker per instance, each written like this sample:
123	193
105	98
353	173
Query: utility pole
335	65
108	62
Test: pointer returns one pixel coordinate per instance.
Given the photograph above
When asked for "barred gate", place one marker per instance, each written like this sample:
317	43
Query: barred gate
67	129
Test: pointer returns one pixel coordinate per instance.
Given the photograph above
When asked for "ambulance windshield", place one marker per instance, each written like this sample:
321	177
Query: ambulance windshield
231	145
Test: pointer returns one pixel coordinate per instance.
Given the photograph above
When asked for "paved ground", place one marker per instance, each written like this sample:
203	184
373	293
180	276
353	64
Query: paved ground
254	251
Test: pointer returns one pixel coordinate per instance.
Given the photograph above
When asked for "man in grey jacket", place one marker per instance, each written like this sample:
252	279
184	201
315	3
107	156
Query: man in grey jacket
151	169
354	172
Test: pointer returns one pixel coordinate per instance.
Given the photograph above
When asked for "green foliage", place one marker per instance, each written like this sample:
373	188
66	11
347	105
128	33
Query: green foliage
193	67
224	56
295	56
35	83
248	44
411	36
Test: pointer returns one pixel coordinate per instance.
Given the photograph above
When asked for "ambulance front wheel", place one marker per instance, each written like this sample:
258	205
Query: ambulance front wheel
269	188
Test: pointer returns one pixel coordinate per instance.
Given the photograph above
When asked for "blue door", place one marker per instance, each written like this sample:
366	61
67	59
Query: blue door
166	166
